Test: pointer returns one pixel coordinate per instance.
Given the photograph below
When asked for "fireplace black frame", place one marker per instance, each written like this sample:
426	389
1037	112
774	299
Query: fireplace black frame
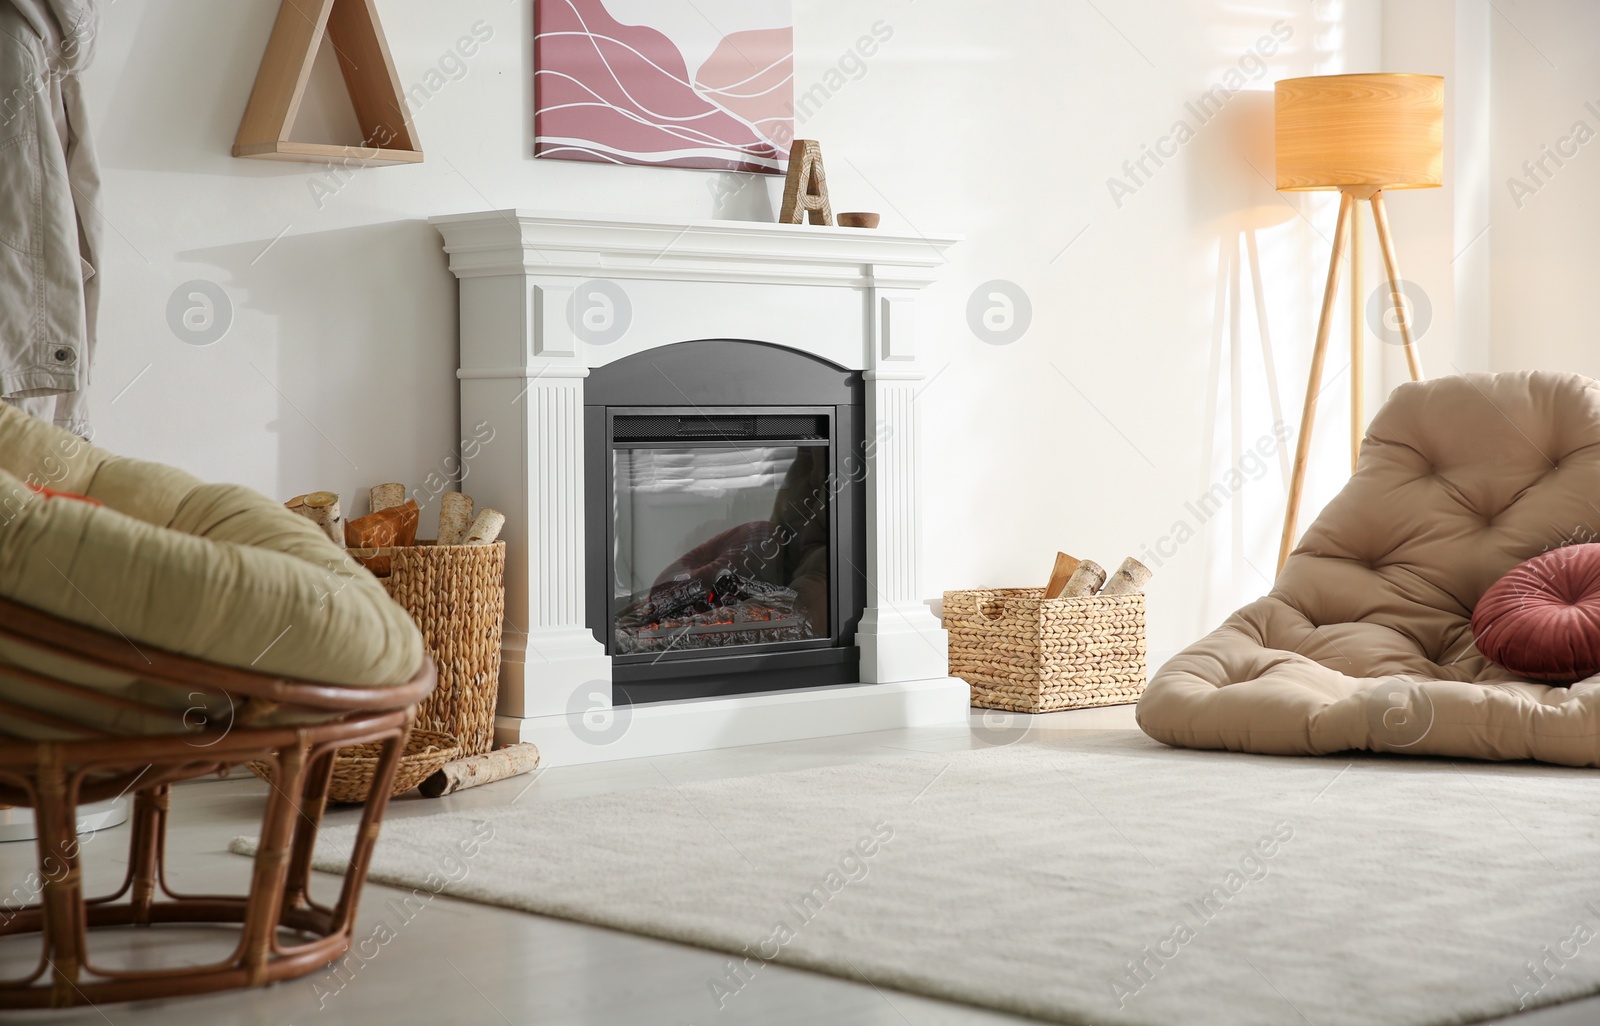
721	377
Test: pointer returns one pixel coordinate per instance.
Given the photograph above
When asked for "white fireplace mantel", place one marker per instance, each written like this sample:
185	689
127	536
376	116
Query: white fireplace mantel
545	298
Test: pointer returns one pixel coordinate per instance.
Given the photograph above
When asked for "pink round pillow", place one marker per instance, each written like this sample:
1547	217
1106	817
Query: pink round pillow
1542	620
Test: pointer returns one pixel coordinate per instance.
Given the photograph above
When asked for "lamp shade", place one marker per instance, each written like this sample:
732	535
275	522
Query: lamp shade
1382	131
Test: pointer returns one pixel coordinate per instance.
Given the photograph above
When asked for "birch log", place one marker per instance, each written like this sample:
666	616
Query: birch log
455	518
1061	574
511	761
486	528
297	506
1129	579
385	496
322	509
1084	580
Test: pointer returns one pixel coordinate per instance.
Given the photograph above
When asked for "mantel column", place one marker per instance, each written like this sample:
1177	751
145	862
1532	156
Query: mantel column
522	390
899	637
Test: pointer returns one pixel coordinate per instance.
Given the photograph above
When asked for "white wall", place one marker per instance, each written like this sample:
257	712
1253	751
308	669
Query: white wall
1441	234
1142	380
1546	252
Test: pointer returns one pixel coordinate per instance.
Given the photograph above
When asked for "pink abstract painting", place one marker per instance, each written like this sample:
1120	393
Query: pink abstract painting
702	84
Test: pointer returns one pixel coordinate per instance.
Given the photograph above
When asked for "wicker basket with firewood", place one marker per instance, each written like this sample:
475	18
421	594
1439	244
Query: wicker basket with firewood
454	589
1063	646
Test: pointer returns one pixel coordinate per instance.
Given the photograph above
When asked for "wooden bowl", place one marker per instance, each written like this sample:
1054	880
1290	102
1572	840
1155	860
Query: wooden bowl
858	219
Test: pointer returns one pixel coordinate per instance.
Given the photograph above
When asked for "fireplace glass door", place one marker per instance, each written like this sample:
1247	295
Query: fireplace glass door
721	531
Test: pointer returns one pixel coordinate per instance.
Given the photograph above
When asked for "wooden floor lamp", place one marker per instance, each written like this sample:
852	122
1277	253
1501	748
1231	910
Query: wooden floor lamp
1359	135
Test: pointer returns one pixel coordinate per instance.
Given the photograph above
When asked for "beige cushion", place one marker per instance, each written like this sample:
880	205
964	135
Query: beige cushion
216	572
1365	641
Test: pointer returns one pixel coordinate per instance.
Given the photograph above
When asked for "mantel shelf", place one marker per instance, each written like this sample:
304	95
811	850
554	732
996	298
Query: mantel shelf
501	242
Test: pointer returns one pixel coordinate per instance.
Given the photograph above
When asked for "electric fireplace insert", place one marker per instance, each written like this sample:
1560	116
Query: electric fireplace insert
725	517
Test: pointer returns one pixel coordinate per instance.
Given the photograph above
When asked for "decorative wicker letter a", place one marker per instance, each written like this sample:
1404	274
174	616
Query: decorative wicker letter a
805	193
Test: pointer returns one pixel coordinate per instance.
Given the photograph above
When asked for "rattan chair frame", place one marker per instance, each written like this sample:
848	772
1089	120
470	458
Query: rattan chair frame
283	932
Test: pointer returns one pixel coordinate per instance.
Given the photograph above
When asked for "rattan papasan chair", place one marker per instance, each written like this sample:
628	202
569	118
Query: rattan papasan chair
154	629
1366	639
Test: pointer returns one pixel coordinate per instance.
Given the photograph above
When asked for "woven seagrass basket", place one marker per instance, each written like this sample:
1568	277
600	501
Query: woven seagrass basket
1020	651
425	753
457	596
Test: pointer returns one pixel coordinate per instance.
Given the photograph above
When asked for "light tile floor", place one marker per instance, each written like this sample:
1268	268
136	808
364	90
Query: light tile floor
460	963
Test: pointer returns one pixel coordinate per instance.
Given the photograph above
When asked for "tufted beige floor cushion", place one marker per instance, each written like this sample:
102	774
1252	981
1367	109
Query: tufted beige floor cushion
1365	641
216	572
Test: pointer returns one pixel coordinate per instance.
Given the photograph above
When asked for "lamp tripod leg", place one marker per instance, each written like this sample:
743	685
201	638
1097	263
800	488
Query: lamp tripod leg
1392	266
1358	344
1302	454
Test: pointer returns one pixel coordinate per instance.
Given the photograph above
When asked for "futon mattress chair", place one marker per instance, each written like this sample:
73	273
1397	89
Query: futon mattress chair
1366	639
153	629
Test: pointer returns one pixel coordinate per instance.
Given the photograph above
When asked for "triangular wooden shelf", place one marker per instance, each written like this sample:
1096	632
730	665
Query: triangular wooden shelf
352	28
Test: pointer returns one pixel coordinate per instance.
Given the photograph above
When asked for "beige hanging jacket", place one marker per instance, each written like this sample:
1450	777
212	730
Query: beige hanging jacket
49	231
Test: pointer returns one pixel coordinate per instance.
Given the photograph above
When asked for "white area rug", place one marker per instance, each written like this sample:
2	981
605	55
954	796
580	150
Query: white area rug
1103	879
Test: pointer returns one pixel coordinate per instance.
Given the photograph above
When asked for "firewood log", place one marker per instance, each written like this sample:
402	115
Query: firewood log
396	525
1084	580
387	495
510	761
1129	579
297	506
455	518
486	528
1059	576
377	561
322	509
